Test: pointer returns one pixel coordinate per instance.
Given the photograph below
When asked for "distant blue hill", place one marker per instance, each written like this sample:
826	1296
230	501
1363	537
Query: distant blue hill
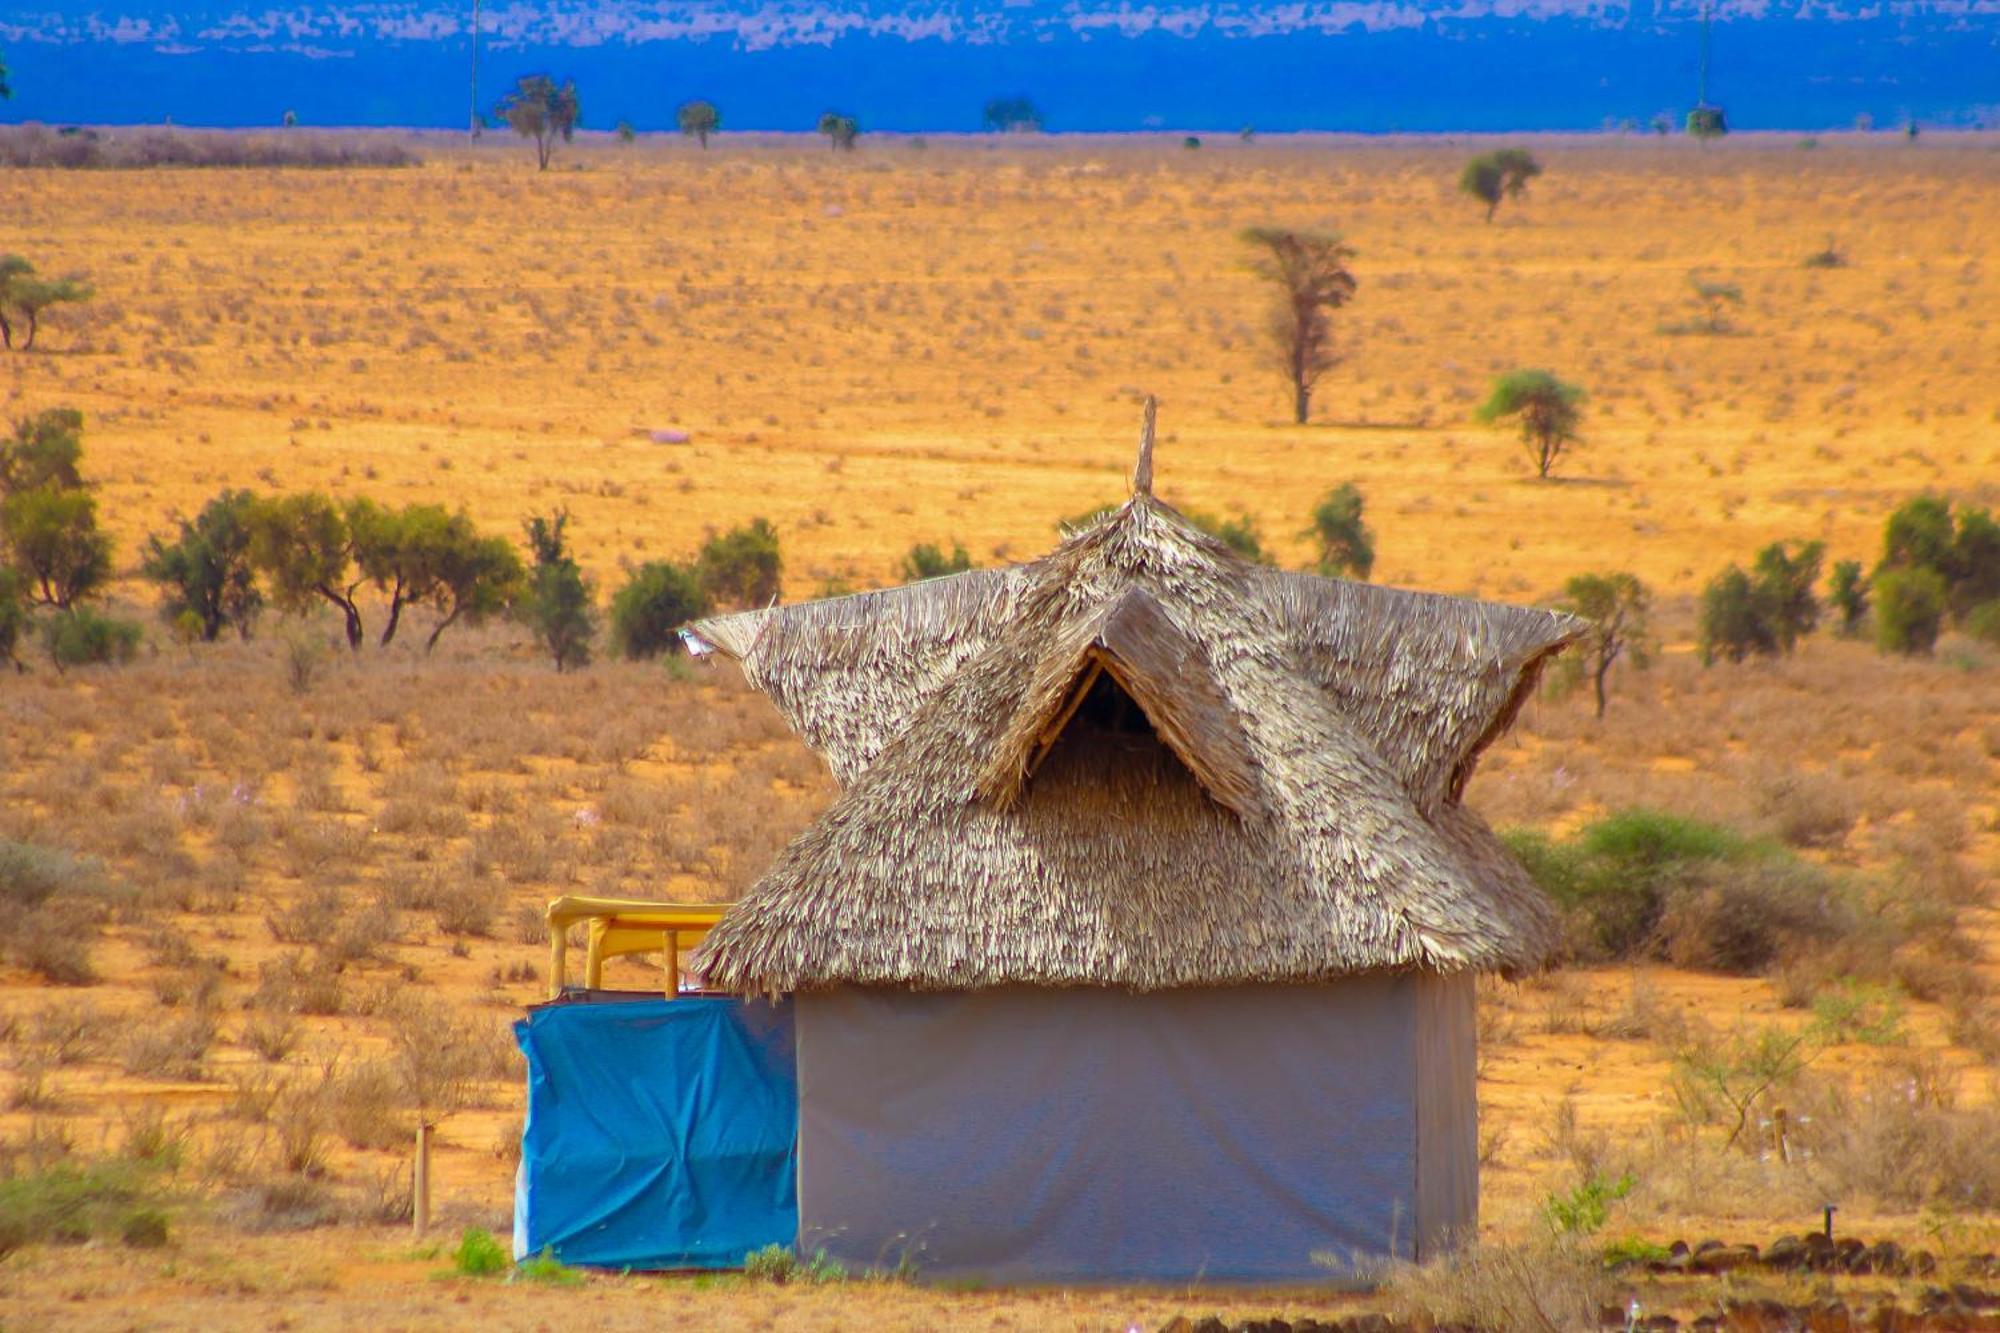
1090	65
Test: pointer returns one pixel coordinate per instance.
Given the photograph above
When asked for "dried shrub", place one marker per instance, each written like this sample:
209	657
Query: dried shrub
272	1035
1542	1283
50	906
174	1051
367	1107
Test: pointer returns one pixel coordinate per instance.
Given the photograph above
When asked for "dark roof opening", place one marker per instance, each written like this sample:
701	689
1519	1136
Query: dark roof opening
1107	708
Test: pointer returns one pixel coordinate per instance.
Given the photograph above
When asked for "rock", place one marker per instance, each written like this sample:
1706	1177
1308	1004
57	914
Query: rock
1180	1323
1659	1323
1723	1258
1829	1316
1886	1256
1372	1322
1611	1316
1787	1253
1210	1324
1677	1249
1707	1245
1922	1263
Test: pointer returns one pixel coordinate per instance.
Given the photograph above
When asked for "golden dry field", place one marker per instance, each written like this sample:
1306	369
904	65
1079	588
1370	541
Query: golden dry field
314	909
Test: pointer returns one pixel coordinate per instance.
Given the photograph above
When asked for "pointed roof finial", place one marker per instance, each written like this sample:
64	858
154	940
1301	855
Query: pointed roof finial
1142	476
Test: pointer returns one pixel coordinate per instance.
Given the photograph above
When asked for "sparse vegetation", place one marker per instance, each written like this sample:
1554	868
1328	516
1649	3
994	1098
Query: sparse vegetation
741	567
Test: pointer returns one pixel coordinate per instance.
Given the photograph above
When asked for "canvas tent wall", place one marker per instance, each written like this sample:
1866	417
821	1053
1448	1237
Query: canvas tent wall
660	1133
1237	1134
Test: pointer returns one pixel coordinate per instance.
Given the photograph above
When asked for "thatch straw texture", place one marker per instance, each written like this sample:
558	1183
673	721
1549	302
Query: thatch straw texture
1292	813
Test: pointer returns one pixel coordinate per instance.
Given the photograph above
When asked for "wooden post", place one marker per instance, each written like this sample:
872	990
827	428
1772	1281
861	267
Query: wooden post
672	954
420	1185
1781	1129
558	959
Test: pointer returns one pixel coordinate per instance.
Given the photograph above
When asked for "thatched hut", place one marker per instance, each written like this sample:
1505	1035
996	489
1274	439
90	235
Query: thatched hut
1140	940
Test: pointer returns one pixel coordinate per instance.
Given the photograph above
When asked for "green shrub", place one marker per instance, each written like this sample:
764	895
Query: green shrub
928	561
1982	622
1848	592
75	1202
1586	1208
1346	546
1647	884
1854	1011
741	567
780	1263
84	637
478	1255
547	1269
1765	612
558	605
13	616
1909	610
647	613
144	1229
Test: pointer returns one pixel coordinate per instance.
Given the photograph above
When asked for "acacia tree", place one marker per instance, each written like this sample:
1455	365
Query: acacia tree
1715	300
698	119
1615	605
1011	115
1502	174
50	535
206	573
24	296
1548	410
45	450
539	109
840	130
1311	273
305	544
473	577
1346	547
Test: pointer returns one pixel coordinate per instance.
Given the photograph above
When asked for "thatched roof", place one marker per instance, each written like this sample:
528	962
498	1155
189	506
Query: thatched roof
1292	812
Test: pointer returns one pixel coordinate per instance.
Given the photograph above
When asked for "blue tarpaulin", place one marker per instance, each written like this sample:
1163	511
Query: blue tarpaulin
660	1133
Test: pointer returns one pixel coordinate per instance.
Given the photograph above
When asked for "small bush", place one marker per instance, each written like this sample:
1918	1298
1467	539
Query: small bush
478	1255
548	1270
1982	622
928	561
174	1051
781	1264
85	637
1583	1211
1544	1284
1646	884
49	904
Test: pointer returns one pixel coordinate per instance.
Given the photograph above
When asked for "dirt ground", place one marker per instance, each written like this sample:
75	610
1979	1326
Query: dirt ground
941	341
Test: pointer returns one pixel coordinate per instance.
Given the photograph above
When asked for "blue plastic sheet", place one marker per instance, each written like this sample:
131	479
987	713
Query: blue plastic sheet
660	1133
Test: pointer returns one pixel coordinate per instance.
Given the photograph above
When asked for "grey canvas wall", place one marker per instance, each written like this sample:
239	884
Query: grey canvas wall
1229	1134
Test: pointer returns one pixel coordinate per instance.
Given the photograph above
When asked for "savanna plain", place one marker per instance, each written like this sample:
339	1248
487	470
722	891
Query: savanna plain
297	890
